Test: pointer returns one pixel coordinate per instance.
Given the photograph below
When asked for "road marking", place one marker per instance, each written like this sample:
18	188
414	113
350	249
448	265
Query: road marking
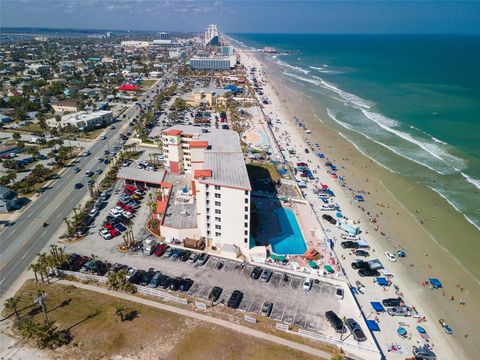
44	232
25	255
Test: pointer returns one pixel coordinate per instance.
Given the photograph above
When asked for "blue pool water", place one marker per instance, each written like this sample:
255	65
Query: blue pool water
290	240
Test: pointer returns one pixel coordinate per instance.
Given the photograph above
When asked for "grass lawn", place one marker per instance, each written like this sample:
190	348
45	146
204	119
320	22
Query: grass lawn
152	334
91	135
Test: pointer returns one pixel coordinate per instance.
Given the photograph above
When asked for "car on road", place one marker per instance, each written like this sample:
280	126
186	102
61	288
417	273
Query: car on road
368	272
215	293
266	275
105	234
266	309
335	321
90	182
356	330
235	299
104	137
78	186
185	284
76	169
392	302
89	173
256	272
349	245
391	257
360	264
307	284
98	171
399	311
339	293
361	253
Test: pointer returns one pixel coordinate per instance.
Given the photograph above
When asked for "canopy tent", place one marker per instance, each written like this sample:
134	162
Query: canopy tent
382	281
377	306
281	258
313	264
339	215
273	257
359	198
372	325
435	283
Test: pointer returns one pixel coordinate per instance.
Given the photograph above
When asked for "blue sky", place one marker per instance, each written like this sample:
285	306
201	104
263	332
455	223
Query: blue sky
248	16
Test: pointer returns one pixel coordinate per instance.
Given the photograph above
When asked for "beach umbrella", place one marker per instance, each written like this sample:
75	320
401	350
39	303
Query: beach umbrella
313	264
401	331
339	215
328	268
273	257
281	258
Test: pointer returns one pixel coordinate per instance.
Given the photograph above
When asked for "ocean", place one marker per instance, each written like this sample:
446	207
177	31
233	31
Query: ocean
409	102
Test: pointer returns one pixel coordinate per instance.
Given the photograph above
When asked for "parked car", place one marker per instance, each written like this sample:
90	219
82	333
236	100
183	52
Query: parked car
165	281
168	253
392	302
267	308
356	330
399	311
307	284
120	227
349	245
186	254
361	253
339	293
360	265
235	299
186	284
175	284
335	321
256	272
193	258
160	250
368	272
266	275
105	234
329	218
391	257
203	258
114	232
215	294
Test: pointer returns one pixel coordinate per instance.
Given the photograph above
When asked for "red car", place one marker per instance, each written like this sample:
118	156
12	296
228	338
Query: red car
129	209
160	249
130	188
108	226
114	232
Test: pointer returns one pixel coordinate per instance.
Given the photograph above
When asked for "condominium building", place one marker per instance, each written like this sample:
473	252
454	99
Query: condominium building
211	63
135	44
214	162
206	96
212	36
69	105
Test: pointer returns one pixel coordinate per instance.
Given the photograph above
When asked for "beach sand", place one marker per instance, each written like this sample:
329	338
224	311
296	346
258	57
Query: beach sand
401	226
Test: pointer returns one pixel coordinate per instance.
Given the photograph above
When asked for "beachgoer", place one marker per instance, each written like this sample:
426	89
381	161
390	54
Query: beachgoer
452	298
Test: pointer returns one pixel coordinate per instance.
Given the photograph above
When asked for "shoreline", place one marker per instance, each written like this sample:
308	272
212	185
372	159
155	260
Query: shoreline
357	167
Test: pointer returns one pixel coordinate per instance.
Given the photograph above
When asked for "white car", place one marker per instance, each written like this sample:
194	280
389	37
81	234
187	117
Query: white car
390	256
115	213
105	234
93	212
307	284
127	214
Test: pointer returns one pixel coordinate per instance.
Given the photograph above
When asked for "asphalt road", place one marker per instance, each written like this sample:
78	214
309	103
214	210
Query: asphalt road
21	242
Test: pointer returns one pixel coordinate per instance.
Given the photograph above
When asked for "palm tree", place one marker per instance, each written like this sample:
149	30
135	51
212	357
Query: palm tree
11	304
120	311
34	268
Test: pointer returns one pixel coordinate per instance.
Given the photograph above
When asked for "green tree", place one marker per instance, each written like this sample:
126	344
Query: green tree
16	136
11	304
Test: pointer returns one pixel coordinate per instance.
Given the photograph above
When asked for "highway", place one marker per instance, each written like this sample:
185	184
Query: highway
22	241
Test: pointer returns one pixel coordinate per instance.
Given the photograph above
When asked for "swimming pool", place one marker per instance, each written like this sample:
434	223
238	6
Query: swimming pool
290	240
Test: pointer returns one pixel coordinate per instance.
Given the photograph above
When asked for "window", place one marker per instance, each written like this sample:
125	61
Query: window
207	193
218	211
218	219
246	232
246	208
246	201
206	186
246	217
246	192
217	187
208	232
246	225
218	227
208	225
245	240
218	234
208	209
218	203
208	202
208	217
218	196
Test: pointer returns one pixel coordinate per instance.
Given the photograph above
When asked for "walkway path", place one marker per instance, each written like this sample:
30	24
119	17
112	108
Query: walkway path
236	327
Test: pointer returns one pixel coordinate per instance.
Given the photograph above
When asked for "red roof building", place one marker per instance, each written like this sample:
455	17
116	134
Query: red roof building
128	87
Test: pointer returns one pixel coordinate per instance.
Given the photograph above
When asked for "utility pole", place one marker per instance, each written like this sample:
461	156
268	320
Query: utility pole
40	300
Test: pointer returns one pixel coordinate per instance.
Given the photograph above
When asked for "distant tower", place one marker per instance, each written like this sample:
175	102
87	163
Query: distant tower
212	37
163	36
109	34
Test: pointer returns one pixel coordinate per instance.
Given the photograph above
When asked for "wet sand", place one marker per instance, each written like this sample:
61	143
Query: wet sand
390	196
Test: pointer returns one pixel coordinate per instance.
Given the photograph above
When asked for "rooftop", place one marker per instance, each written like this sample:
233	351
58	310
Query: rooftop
181	206
151	177
228	169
